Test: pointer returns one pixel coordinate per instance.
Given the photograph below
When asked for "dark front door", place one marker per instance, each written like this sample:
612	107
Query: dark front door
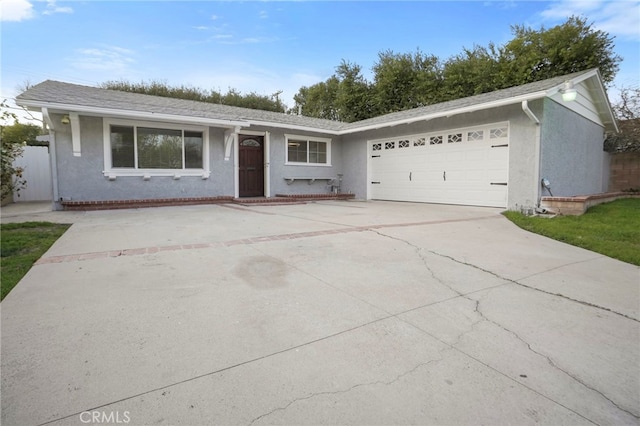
251	165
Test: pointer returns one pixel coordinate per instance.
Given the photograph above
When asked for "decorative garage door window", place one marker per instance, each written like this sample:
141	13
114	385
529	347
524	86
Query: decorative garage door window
458	136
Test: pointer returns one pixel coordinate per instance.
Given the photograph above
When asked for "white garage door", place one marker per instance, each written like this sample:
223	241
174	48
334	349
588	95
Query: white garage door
464	166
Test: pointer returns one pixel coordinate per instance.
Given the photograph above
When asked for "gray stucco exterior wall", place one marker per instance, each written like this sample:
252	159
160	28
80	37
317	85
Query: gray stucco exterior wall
572	156
522	151
81	178
278	169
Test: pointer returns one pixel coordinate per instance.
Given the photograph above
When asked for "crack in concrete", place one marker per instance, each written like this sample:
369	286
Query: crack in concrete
551	362
342	391
512	281
483	317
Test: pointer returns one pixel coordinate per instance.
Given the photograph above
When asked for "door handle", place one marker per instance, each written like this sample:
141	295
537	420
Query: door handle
409	176
250	169
444	175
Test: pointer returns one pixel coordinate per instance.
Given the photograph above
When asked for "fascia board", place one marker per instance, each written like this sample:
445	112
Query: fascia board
294	127
109	112
448	113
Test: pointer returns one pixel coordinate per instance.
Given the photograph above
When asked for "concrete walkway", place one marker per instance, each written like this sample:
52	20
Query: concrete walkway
322	313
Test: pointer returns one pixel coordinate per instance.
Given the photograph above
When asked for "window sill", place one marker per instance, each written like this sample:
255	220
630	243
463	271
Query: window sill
307	164
147	174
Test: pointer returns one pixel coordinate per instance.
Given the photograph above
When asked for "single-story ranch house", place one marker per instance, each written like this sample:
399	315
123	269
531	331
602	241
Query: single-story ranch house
492	149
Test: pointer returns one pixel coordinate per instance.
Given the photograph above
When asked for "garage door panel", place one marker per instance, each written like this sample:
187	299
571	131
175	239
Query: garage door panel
470	171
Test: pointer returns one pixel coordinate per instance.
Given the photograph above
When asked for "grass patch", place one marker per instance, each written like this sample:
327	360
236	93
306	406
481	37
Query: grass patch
612	229
21	245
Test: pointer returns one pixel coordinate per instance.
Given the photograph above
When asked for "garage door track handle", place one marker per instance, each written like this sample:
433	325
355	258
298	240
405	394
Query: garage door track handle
444	175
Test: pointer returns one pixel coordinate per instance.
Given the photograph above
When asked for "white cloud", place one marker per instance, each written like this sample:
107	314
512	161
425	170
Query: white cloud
214	17
264	14
105	58
52	8
15	10
618	18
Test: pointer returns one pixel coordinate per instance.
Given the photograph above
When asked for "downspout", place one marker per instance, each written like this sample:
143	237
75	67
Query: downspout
536	121
52	158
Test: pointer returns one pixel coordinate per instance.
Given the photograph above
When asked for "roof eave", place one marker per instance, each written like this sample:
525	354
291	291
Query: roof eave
110	112
448	113
294	127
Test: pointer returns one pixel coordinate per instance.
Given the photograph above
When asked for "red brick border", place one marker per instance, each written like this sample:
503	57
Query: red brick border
243	241
166	202
578	205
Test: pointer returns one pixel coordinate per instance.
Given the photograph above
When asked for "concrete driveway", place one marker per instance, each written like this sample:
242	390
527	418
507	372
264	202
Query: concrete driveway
322	313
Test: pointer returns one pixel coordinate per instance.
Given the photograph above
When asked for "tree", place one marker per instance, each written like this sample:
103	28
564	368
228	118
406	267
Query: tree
573	46
627	111
319	100
406	80
472	72
354	96
409	80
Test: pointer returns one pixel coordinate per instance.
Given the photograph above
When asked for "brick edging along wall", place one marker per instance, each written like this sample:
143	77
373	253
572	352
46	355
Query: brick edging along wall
165	202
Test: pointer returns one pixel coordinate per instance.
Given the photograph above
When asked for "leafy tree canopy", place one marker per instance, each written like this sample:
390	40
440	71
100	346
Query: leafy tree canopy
408	80
627	111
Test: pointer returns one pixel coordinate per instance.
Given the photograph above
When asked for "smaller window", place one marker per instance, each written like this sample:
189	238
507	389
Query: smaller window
419	142
476	135
314	151
435	140
403	144
501	132
389	145
454	138
377	147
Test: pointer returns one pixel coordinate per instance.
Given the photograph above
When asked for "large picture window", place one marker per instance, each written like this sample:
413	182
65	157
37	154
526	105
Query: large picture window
150	148
307	150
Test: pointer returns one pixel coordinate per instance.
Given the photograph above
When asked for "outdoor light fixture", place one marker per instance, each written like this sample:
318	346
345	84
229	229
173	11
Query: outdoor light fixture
569	93
65	120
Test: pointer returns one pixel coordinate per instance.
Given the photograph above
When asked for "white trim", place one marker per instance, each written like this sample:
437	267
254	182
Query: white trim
110	171
236	168
267	164
75	133
142	115
295	127
308	139
449	113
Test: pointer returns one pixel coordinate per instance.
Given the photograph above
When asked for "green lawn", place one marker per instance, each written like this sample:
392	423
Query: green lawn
612	229
22	244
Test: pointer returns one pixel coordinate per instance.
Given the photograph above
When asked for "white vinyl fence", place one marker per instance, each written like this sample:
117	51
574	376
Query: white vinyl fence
37	173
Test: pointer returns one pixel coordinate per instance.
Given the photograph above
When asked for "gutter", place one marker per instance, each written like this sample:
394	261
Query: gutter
52	157
105	112
537	191
108	112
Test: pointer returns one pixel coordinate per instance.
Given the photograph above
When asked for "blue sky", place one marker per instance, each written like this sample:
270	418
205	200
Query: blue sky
268	46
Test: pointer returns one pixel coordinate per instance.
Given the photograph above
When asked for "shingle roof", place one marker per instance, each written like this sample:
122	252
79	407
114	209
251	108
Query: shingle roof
59	93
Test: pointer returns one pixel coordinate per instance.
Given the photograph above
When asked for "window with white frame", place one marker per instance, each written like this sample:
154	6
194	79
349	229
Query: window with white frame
308	150
152	147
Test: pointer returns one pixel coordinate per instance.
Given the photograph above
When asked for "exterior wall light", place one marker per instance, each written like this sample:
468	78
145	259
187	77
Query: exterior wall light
569	93
65	119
